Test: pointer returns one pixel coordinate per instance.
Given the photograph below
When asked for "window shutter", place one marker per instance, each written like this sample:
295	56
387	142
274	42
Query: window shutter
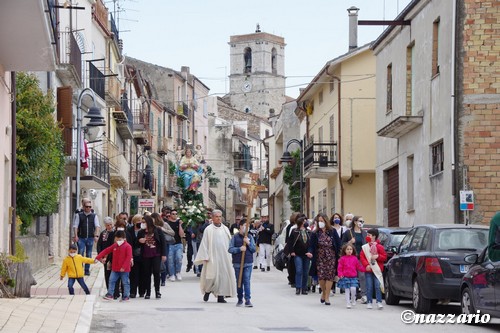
65	116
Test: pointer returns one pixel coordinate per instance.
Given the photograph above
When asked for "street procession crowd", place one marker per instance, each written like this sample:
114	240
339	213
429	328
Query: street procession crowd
328	254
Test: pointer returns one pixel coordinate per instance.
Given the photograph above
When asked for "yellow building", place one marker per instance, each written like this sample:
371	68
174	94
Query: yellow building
339	144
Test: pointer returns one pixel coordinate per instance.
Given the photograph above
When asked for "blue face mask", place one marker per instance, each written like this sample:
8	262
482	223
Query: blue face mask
336	221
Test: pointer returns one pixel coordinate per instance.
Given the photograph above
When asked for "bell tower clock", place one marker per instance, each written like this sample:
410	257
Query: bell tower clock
257	72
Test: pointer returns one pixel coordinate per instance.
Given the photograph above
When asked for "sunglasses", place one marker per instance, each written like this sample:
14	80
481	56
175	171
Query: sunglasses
362	221
88	206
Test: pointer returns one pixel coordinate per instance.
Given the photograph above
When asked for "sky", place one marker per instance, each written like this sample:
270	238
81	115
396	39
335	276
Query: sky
195	33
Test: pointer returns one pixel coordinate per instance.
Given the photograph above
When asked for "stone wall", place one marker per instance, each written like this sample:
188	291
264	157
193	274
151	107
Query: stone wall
36	249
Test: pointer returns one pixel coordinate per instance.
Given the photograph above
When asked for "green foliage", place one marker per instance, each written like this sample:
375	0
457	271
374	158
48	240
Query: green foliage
20	253
40	154
5	277
171	168
292	174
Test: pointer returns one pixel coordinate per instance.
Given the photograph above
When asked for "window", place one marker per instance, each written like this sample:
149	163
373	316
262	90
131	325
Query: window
405	243
417	241
410	83
170	126
320	97
435	47
247	58
332	196
332	86
389	89
313	213
409	183
322	201
274	65
437	158
332	132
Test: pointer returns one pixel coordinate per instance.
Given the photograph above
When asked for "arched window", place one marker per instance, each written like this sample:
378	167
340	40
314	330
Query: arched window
274	61
247	55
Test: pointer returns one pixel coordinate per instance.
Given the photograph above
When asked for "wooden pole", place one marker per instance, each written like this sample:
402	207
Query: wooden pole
240	276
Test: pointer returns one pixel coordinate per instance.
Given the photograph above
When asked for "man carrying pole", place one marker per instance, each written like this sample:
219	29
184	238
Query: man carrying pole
242	247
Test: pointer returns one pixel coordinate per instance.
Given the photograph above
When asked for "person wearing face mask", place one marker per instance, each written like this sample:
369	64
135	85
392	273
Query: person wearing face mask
338	225
325	247
136	270
120	268
106	238
73	266
356	236
243	244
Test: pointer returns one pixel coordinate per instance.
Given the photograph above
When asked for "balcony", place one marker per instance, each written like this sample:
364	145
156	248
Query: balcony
213	198
100	16
162	148
118	166
240	200
242	164
400	126
183	111
69	69
172	187
320	160
112	91
139	185
140	126
115	33
124	120
28	34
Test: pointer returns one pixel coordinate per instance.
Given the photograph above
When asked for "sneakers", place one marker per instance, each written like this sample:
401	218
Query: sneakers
178	277
108	297
369	306
240	303
348	305
364	299
353	303
125	299
248	304
172	278
380	306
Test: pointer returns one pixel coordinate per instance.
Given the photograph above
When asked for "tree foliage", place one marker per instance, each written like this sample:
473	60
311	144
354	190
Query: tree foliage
40	152
292	175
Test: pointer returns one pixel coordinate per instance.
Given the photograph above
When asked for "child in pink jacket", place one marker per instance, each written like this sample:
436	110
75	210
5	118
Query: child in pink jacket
347	270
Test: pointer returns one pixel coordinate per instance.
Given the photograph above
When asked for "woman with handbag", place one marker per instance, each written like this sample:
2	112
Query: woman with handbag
153	253
169	234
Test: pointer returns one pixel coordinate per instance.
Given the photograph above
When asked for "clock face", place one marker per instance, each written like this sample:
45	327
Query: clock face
246	87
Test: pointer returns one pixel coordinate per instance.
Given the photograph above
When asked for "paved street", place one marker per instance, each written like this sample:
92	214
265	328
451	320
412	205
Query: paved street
276	309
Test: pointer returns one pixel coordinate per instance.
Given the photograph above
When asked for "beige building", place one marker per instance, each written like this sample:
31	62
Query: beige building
339	149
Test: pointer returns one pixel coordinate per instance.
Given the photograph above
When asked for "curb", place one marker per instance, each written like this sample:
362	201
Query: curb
85	319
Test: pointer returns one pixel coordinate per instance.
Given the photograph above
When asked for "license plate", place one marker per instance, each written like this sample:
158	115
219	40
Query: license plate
464	268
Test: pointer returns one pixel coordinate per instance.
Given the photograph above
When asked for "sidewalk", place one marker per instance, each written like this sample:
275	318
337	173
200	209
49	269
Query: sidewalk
51	308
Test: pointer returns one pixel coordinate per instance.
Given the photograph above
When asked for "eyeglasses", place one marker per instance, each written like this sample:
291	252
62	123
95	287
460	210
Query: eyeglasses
362	221
88	206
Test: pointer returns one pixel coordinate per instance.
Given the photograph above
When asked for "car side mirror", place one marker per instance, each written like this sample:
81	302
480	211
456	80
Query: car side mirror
471	258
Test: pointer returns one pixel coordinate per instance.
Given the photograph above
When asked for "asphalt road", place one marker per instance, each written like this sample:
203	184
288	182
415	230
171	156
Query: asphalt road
276	309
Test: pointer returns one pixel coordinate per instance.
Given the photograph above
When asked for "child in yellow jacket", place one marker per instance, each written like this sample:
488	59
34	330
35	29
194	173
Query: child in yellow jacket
73	265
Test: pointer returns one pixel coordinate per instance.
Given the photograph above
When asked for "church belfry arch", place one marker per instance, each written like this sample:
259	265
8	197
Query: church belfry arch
247	58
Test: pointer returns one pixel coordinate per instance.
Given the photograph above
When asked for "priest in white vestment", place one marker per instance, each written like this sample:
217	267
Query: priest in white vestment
217	275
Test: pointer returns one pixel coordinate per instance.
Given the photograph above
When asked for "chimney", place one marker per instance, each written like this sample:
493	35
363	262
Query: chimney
353	27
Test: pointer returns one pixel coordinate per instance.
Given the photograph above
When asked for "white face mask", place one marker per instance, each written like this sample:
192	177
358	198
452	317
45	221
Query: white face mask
348	223
123	229
120	242
321	225
72	254
243	230
143	225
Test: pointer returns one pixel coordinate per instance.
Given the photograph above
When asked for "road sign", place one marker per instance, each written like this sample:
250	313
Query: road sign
466	200
146	203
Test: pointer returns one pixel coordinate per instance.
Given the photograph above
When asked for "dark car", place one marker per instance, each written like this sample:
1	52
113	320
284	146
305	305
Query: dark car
481	285
430	264
390	238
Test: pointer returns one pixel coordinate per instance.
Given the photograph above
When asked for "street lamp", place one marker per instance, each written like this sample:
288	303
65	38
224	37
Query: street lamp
96	119
287	158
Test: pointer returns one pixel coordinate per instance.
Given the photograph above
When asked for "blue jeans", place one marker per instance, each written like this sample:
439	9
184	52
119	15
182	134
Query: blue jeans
301	271
81	282
245	280
371	281
115	276
174	259
85	249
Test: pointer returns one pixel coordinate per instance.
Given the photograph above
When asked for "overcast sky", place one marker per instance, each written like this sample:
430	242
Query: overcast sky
195	33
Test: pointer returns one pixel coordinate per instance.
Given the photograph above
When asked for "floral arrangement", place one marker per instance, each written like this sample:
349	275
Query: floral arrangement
192	212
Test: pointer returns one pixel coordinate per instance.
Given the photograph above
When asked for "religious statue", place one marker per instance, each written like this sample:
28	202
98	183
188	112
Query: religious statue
190	170
199	154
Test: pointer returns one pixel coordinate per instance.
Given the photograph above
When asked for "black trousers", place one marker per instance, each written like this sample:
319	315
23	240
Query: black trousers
291	270
135	277
151	266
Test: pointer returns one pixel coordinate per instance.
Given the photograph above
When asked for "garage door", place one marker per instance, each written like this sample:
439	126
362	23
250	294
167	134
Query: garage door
393	197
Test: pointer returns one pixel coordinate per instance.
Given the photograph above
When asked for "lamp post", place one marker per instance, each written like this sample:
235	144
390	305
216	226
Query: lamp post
287	158
96	119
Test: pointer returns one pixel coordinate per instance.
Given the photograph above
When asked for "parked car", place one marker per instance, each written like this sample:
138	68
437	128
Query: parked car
480	287
429	264
390	238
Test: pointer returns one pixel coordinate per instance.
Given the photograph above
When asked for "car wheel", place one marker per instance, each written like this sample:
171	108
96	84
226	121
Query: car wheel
420	303
467	304
390	298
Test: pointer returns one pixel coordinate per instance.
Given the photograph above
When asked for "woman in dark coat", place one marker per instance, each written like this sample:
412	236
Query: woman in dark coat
153	250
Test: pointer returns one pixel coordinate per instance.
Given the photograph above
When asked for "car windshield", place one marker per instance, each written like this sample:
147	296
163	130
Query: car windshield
396	239
461	239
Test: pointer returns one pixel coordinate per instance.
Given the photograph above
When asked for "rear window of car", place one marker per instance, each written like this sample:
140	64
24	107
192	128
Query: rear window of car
396	239
461	239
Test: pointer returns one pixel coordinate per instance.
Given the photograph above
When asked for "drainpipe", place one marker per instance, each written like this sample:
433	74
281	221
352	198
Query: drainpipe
453	107
13	171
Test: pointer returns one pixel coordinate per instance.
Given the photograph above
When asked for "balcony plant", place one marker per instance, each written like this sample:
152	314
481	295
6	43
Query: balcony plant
291	176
